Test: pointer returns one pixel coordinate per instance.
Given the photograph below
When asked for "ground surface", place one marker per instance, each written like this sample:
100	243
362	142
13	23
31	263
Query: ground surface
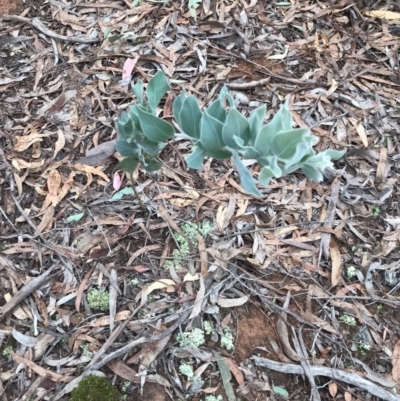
307	273
8	6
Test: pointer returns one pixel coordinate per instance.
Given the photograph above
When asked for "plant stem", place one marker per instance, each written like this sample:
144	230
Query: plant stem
133	182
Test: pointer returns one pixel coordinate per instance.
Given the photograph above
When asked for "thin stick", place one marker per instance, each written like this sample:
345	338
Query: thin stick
133	182
37	24
341	375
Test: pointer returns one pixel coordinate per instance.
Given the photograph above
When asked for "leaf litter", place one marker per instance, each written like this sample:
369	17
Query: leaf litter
281	272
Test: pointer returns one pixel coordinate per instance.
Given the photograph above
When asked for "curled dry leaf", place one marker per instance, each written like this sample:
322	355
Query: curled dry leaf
396	362
53	185
39	370
232	302
199	300
46	220
24	142
336	259
59	145
283	335
90	170
233	367
160	284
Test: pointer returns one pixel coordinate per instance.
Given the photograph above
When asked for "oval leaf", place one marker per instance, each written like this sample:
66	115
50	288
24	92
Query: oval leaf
152	165
235	125
246	178
211	132
156	89
126	149
155	129
177	107
195	159
128	164
256	122
285	143
190	117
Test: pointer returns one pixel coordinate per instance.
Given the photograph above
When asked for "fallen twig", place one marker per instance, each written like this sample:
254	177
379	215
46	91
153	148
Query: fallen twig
25	291
306	366
37	24
341	375
246	85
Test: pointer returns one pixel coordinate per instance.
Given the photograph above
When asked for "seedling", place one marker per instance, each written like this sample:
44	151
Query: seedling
194	338
187	371
86	351
213	398
351	271
187	242
227	339
7	353
135	282
364	348
98	300
220	133
375	210
208	328
349	320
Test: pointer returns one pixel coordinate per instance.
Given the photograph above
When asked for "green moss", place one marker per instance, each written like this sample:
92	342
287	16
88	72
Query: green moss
193	338
187	242
98	300
94	388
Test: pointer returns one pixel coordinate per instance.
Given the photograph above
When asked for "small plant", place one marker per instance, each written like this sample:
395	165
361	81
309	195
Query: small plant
349	320
98	300
219	133
375	211
193	5
364	348
86	351
187	371
227	339
193	338
7	353
213	398
94	388
142	314
351	271
379	307
135	282
187	242
208	328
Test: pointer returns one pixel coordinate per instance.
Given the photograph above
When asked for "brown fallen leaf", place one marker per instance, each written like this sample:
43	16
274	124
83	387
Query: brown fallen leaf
46	220
203	256
283	335
143	250
149	353
53	185
383	14
24	142
333	389
39	370
20	164
233	367
60	143
90	170
81	289
336	259
396	362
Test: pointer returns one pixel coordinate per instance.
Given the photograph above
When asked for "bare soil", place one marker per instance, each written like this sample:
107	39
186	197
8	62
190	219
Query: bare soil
8	6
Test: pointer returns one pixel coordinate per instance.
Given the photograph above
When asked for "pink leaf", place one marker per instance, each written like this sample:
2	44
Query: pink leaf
117	181
129	65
